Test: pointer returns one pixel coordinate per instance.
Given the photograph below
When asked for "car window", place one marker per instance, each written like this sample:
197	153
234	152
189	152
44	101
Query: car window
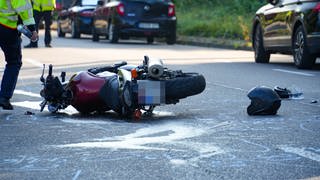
89	2
289	1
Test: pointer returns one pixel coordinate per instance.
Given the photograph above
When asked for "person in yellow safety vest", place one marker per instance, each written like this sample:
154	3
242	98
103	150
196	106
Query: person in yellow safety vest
10	42
43	9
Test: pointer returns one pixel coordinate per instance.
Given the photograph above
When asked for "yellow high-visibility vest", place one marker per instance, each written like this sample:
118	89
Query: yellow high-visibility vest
11	9
44	5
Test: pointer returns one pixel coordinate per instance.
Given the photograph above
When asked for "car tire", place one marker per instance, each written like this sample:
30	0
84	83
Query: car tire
113	34
260	53
59	31
301	55
171	38
150	40
74	30
95	36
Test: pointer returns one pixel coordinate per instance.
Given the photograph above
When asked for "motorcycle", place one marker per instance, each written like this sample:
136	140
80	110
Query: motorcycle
126	89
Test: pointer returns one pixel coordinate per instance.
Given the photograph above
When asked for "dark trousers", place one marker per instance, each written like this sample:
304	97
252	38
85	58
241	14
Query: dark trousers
10	43
47	17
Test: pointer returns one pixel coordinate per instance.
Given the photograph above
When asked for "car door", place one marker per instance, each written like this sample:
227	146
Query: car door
278	27
99	19
63	20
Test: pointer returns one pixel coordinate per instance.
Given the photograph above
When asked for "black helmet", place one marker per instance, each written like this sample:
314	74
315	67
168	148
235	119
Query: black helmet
264	101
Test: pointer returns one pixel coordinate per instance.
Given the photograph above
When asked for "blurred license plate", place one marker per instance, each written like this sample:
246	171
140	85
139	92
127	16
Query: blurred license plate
151	92
149	25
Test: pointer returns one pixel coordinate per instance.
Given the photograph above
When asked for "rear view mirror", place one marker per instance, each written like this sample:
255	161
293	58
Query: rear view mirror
273	2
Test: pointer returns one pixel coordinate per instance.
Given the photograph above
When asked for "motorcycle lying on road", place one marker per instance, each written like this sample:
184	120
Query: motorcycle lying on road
126	89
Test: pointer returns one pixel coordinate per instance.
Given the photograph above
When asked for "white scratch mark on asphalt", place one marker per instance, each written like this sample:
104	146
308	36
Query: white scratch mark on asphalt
75	177
148	138
222	124
22	92
9	117
304	128
301	152
142	137
229	87
203	119
294	72
178	162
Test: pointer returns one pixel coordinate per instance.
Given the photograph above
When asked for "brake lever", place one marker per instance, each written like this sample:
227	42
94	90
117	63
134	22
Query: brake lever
42	78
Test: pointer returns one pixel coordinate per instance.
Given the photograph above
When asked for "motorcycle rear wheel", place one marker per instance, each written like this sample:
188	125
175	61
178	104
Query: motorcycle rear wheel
188	84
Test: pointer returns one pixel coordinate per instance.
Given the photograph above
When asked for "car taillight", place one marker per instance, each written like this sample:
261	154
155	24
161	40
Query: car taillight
171	11
120	9
86	13
58	6
317	8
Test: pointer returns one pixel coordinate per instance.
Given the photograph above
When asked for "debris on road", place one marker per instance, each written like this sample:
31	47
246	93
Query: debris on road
289	93
29	113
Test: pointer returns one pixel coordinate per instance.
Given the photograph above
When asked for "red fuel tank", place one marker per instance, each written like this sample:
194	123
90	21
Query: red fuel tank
85	87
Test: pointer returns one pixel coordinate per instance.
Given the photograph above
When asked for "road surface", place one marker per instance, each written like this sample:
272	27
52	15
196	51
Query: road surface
208	136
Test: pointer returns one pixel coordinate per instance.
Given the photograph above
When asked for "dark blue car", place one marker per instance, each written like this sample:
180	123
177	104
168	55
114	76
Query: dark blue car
289	27
76	19
122	19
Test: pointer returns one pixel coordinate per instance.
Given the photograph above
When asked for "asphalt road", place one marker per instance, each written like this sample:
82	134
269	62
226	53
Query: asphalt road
208	136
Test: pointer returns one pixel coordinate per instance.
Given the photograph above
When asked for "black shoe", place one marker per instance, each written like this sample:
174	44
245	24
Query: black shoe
31	46
5	104
48	45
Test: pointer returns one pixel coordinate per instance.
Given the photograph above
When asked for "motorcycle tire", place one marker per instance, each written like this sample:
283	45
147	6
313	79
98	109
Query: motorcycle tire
183	86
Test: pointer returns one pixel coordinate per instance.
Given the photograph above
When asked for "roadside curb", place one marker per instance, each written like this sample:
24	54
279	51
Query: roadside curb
214	42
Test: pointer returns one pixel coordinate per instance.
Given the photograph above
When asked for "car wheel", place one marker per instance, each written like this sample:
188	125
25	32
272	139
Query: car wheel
95	36
260	53
74	30
150	40
59	31
113	34
171	38
302	58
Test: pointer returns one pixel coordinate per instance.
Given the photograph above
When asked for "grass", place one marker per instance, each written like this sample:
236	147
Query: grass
230	19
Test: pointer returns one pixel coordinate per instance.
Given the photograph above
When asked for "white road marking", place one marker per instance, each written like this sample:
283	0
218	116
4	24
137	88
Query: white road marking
77	121
36	106
28	104
33	62
294	72
22	92
302	152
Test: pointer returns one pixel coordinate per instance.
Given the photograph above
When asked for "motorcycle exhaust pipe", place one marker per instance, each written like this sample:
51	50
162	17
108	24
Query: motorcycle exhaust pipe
155	68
